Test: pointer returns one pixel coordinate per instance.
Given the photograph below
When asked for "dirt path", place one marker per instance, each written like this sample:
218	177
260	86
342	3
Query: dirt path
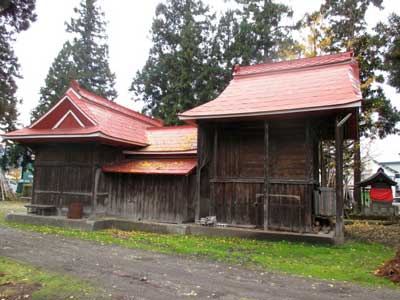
129	274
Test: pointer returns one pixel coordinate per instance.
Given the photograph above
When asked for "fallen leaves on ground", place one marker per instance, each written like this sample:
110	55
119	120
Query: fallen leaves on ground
18	291
391	269
374	232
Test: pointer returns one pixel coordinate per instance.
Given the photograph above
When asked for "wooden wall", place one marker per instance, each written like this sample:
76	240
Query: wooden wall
237	167
64	173
164	198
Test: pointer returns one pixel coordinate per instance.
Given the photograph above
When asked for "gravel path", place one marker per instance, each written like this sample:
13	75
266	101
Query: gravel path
128	274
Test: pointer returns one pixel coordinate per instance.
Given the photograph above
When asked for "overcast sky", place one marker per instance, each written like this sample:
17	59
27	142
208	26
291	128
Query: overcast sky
129	23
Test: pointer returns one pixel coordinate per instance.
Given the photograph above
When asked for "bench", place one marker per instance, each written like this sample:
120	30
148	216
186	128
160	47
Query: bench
41	209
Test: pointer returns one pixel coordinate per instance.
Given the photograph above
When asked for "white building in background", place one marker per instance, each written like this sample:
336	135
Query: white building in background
394	168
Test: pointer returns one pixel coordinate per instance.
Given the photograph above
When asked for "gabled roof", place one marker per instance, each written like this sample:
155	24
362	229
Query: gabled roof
379	177
169	140
171	166
83	115
308	84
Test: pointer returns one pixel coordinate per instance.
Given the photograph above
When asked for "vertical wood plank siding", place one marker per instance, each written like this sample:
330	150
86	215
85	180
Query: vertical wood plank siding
243	166
162	198
65	173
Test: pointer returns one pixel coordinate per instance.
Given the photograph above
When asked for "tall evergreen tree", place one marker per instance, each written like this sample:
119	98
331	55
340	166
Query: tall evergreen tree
85	58
348	30
15	16
264	34
254	32
318	38
58	78
228	49
90	51
390	33
177	74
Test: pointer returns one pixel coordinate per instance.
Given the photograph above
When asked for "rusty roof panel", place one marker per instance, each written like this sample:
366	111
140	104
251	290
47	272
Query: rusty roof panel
176	166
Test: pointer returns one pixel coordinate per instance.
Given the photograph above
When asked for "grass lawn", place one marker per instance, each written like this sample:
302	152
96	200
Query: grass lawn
352	262
21	281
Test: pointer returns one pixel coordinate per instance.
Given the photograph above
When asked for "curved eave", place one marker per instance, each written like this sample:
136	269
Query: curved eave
71	137
355	103
130	152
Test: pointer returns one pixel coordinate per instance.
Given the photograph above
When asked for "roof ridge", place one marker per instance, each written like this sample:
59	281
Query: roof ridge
172	127
293	64
290	70
115	106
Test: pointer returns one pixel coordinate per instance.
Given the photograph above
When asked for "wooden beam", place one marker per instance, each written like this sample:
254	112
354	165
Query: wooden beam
200	153
342	121
339	228
34	183
262	180
309	141
211	205
357	165
266	174
215	153
64	193
322	164
96	185
237	180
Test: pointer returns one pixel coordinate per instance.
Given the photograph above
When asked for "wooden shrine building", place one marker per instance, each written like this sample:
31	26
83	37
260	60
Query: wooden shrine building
111	159
250	157
258	158
380	185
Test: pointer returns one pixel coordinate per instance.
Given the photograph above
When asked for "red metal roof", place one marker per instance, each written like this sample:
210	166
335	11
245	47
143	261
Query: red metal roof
176	166
309	84
101	119
171	139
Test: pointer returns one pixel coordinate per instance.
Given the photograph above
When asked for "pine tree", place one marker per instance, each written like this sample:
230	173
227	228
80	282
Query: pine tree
15	16
318	38
90	51
348	30
8	73
228	46
262	35
178	73
58	78
85	59
390	33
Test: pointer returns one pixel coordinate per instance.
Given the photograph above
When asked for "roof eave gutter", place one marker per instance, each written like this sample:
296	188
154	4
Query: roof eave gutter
130	152
68	136
356	103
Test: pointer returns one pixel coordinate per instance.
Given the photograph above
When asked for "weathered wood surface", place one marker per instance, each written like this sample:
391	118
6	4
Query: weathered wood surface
288	207
65	173
325	202
267	179
339	226
152	197
249	160
204	170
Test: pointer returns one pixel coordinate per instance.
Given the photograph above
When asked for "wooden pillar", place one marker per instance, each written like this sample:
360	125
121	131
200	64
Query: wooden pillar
357	165
266	175
339	230
324	181
95	190
211	199
309	171
200	133
35	174
215	153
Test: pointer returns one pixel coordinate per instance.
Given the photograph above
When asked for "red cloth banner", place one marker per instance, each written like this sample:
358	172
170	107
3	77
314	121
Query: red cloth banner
384	195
